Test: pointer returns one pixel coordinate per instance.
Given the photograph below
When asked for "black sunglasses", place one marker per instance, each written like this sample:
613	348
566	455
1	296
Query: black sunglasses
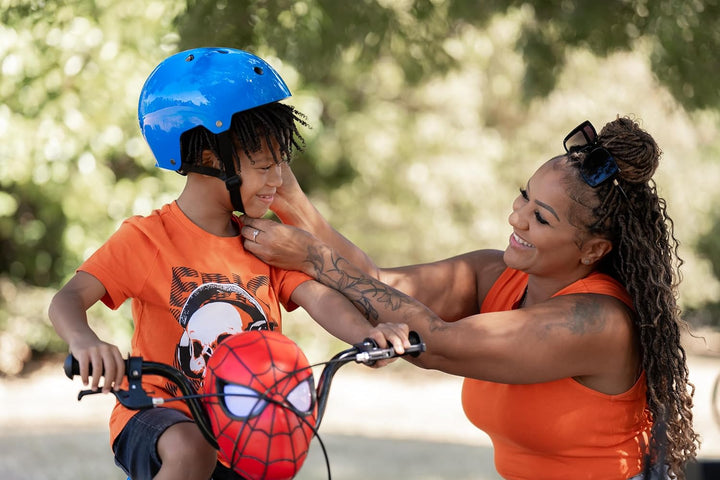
599	164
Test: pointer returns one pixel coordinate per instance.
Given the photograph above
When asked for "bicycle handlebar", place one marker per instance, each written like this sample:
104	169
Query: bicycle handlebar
135	398
366	352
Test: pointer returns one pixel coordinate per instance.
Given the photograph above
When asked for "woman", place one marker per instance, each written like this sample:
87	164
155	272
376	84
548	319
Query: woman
568	339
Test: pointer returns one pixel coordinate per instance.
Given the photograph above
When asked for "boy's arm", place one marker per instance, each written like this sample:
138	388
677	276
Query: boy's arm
332	311
68	314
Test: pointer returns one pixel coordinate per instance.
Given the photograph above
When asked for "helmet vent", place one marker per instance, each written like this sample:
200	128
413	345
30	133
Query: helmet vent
258	70
190	58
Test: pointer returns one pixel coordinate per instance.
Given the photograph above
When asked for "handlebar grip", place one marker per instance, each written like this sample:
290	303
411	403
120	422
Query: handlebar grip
71	367
416	344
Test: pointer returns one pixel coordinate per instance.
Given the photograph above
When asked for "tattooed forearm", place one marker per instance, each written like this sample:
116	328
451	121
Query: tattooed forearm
366	293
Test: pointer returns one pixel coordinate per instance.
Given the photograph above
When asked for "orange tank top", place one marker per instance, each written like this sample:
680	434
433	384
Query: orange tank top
559	429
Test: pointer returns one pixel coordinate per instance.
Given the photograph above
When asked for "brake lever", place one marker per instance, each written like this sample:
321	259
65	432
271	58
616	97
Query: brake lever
135	397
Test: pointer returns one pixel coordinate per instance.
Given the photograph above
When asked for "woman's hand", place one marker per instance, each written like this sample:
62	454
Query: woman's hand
279	245
393	335
289	197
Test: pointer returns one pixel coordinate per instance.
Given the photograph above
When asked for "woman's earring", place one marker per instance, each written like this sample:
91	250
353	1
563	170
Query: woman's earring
586	261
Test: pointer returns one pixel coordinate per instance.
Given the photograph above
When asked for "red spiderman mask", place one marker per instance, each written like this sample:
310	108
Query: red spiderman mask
261	403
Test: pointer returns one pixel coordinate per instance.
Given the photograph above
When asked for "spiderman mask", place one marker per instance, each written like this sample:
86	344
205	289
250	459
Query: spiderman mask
261	401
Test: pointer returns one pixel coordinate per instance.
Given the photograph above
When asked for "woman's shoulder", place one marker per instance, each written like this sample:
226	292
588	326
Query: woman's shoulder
486	262
599	283
488	266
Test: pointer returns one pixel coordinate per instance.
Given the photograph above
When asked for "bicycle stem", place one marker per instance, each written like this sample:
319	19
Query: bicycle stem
323	388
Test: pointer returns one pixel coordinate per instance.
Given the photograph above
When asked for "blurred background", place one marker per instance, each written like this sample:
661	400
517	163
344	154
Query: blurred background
427	115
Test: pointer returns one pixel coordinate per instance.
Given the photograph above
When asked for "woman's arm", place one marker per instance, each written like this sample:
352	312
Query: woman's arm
581	335
453	288
332	311
68	314
293	207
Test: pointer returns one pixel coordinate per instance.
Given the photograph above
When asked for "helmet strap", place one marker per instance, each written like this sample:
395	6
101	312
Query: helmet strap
226	150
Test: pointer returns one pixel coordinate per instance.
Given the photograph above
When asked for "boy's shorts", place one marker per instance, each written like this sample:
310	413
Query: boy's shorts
136	446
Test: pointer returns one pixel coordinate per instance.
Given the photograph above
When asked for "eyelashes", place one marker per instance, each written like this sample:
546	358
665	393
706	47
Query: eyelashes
538	217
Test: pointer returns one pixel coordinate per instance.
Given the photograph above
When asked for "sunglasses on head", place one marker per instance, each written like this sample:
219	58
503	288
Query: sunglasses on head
599	164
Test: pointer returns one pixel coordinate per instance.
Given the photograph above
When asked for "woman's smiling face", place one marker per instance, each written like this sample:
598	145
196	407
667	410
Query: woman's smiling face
544	242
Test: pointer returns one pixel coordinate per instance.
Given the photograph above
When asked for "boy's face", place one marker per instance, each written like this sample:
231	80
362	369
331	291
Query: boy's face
261	177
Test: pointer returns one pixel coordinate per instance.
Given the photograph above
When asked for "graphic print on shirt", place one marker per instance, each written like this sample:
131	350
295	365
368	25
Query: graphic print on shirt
211	307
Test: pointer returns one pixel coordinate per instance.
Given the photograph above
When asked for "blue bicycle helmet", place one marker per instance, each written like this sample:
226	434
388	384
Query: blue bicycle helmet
202	87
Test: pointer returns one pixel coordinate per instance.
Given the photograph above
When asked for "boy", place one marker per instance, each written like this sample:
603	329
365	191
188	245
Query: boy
213	115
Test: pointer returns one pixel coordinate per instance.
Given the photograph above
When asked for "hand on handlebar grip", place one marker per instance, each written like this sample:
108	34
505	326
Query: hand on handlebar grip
135	397
99	364
369	352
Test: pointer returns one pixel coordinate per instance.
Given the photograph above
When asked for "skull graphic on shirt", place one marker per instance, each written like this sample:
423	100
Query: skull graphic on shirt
213	312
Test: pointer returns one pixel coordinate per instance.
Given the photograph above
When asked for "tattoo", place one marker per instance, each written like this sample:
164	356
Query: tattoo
586	317
367	293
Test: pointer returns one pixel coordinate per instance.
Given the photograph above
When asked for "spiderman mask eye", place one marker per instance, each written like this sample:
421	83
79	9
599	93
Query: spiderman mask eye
301	397
242	402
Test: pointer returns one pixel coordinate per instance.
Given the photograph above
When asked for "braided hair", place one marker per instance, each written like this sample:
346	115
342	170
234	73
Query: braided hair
645	260
251	129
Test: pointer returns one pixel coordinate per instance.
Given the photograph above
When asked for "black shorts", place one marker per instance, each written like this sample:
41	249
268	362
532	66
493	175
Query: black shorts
136	446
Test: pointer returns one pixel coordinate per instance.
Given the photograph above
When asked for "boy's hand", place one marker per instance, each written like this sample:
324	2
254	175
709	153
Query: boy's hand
99	359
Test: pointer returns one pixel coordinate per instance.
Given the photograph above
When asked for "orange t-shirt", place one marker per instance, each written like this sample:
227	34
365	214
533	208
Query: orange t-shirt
560	429
189	289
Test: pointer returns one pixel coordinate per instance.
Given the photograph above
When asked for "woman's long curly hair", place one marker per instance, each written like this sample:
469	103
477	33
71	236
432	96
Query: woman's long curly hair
645	259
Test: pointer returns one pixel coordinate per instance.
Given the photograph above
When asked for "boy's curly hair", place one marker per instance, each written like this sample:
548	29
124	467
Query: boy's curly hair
251	130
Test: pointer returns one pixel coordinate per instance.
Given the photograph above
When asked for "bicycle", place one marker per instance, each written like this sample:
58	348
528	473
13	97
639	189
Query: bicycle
231	412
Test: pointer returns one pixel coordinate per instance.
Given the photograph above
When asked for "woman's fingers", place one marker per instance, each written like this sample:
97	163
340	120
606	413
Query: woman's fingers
276	244
392	334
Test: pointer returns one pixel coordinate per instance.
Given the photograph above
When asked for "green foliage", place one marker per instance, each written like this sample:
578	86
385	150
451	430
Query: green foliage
426	116
683	36
330	41
69	142
71	76
323	38
708	244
